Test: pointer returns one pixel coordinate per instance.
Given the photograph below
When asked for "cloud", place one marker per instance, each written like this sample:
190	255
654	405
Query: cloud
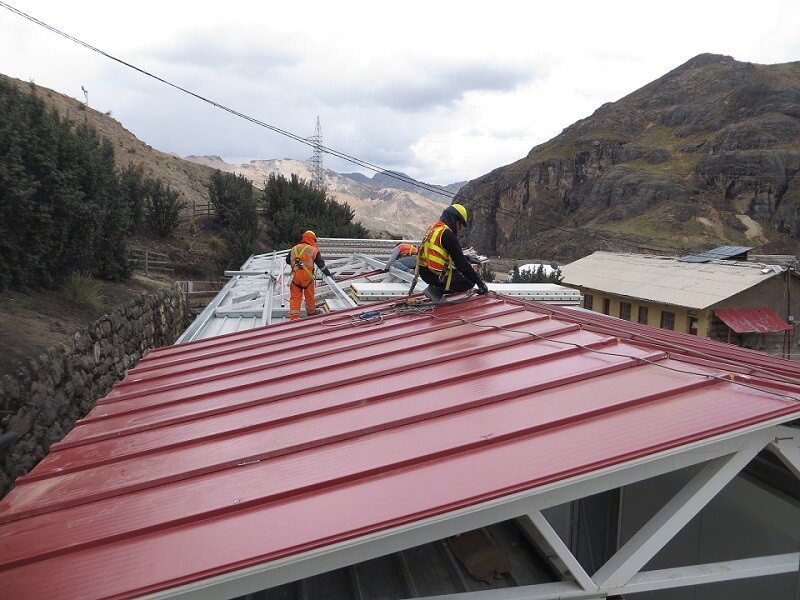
410	87
221	51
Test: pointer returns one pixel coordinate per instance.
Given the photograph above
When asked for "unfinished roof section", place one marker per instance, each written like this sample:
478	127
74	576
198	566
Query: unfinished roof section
258	294
277	446
665	279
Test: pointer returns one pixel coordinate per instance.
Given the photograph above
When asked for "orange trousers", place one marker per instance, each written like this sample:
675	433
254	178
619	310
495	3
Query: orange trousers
296	294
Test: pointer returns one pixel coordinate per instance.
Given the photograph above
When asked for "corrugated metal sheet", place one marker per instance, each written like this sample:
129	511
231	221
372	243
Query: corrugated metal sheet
752	320
664	279
719	253
239	450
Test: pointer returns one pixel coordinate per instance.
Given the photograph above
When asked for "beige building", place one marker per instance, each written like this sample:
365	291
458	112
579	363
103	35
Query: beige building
684	295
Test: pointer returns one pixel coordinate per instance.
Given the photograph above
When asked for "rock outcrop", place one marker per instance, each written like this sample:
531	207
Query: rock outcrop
686	162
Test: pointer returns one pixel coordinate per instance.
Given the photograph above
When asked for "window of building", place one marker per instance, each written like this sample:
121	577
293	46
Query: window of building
588	301
606	306
667	320
625	311
643	314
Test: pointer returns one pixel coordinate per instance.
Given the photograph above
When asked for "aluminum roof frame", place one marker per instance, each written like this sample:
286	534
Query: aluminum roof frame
186	450
258	293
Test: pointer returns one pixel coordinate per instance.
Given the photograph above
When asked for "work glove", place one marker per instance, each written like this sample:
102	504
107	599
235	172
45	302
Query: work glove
483	288
385	269
327	273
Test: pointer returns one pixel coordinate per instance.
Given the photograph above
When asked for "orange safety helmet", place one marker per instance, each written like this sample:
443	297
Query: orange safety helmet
309	237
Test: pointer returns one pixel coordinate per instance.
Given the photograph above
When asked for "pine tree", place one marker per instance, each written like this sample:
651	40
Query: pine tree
163	207
236	209
293	206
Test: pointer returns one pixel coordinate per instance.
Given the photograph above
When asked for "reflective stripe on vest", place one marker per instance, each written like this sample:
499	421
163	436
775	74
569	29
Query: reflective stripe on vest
433	255
407	250
304	256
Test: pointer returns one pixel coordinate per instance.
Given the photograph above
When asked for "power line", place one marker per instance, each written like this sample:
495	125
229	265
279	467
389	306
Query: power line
352	159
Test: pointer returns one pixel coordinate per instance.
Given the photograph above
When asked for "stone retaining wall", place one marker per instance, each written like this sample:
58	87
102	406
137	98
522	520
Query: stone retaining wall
44	398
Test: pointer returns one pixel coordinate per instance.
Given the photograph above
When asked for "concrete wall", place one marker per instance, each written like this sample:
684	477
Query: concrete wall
45	397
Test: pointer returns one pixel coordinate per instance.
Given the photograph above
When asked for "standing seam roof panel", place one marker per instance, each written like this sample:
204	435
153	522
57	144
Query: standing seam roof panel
188	470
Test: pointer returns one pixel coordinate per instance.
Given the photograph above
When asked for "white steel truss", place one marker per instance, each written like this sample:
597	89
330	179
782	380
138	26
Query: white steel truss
258	293
723	458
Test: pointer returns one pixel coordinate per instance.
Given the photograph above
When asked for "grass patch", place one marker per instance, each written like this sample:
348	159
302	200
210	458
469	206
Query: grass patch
85	291
660	225
13	306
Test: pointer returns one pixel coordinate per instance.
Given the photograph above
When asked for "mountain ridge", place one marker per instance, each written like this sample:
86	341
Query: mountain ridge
707	154
387	211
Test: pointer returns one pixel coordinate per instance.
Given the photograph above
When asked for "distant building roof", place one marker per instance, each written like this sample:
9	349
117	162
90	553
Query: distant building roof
719	253
268	446
666	279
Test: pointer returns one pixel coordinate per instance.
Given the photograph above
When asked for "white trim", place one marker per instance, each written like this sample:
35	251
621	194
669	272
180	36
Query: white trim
711	573
667	522
644	582
541	533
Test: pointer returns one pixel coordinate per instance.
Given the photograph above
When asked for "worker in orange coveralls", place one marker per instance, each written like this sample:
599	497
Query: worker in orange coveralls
302	259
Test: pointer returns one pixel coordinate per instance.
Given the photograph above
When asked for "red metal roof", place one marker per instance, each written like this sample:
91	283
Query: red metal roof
752	320
234	451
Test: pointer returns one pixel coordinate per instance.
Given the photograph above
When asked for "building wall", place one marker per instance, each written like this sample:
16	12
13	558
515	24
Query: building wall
655	309
781	293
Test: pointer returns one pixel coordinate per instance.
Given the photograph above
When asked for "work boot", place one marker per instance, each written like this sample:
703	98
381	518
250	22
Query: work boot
434	294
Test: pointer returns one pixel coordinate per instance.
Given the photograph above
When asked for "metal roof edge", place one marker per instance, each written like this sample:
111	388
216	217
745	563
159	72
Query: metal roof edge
379	543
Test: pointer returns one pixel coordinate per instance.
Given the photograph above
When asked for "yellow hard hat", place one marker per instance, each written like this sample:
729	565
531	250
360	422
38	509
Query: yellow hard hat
461	210
309	237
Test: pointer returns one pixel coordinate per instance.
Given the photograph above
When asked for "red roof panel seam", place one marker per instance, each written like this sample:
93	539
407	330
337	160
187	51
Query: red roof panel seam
458	355
265	427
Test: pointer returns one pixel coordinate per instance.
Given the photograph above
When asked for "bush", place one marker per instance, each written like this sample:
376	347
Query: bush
293	206
82	289
537	275
163	207
60	206
486	273
236	214
133	188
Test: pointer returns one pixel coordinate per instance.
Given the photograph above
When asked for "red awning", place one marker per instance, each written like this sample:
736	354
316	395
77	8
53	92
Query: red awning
752	320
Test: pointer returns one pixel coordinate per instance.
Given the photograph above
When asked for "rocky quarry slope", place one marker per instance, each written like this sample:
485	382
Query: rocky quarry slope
708	154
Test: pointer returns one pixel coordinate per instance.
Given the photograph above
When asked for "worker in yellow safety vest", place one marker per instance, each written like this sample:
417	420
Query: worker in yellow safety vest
442	264
302	259
404	256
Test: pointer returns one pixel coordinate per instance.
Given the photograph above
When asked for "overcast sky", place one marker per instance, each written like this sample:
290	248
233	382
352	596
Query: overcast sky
442	90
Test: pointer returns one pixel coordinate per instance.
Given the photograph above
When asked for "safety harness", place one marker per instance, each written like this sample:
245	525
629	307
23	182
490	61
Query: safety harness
434	257
303	261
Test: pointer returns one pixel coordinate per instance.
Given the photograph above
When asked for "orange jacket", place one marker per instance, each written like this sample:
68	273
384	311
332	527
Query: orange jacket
407	250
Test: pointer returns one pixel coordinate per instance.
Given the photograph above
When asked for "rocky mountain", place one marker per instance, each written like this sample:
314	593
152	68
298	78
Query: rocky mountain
389	210
708	154
385	179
